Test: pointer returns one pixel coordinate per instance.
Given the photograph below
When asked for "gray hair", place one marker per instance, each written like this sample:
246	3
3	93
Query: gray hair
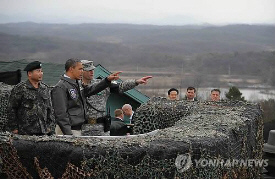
126	106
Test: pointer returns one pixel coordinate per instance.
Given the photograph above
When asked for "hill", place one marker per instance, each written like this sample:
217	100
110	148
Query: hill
198	50
172	40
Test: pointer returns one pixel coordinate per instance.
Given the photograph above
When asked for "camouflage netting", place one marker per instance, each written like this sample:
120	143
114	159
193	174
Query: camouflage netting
5	91
224	130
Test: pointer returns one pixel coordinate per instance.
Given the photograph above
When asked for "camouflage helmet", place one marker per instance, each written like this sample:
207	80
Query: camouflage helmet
88	65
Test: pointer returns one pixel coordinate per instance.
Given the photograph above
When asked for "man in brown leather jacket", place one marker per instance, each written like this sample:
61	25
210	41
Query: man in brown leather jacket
69	97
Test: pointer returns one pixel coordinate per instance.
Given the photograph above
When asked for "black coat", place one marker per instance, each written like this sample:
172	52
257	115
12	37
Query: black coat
69	102
118	128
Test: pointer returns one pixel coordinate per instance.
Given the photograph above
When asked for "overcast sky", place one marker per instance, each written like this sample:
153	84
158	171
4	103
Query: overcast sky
159	12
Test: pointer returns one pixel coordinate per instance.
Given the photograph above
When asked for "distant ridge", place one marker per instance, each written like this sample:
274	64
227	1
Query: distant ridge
132	45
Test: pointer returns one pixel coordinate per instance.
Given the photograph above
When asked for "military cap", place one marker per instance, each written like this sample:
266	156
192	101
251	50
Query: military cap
33	66
87	65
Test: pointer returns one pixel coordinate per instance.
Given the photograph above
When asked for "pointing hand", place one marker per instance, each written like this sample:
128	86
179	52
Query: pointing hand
143	80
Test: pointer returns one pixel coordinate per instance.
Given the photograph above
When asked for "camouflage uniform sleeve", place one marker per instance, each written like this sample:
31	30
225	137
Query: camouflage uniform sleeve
96	87
14	103
124	86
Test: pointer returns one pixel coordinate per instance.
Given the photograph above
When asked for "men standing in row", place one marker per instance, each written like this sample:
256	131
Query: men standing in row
69	97
30	111
191	94
96	104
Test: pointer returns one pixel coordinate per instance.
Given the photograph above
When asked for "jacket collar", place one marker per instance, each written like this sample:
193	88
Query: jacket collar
69	80
119	119
29	85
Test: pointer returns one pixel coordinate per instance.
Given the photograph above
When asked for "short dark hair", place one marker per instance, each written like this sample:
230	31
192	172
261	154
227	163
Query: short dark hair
71	63
215	89
173	89
118	112
191	88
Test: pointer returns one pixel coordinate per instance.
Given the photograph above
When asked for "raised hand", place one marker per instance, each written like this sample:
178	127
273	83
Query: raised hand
114	76
143	80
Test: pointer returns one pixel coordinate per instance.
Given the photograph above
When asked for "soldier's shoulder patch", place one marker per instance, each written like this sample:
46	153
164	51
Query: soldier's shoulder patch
72	93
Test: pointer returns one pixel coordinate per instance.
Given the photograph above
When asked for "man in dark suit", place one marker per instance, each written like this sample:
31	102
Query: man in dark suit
190	94
118	127
128	113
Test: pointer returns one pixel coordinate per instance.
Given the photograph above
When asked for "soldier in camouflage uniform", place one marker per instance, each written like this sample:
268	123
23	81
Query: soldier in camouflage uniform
30	110
96	104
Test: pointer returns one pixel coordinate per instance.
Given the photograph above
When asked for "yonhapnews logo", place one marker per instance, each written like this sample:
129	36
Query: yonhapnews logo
183	162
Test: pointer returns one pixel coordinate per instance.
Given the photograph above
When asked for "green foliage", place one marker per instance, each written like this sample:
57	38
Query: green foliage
234	94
